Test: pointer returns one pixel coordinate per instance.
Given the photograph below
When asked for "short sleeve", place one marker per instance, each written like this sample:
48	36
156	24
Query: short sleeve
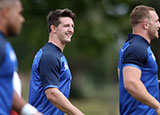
49	69
135	54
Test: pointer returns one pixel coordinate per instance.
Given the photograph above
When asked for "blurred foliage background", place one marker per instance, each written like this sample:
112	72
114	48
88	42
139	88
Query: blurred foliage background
101	27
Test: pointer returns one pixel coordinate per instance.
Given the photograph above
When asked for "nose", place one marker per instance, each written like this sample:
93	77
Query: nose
22	19
71	29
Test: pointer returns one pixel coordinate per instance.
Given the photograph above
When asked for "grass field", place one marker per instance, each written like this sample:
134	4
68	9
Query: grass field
102	102
96	107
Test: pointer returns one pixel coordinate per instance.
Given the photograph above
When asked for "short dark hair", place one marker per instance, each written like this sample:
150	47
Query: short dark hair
53	16
139	13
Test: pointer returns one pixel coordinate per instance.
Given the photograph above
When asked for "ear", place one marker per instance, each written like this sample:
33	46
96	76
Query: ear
145	24
4	13
53	29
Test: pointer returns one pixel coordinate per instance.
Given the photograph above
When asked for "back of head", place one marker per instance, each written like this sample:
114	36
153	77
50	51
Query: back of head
6	3
53	16
139	13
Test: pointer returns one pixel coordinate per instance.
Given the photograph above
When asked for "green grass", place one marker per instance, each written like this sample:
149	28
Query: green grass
103	101
96	107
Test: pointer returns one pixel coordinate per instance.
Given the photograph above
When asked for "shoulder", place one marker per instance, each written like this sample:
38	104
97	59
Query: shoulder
138	47
50	56
136	53
51	53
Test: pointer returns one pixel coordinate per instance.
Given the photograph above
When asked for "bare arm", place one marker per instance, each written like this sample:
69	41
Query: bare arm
61	102
18	103
133	84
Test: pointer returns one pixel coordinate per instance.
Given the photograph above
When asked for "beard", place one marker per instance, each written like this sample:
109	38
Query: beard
12	30
153	34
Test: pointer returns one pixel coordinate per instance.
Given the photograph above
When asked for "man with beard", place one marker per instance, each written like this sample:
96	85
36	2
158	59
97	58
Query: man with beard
137	67
11	21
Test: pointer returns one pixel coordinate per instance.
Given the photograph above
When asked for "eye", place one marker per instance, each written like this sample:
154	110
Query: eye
66	25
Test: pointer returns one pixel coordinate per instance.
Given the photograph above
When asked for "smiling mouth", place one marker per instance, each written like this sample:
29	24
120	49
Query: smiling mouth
69	34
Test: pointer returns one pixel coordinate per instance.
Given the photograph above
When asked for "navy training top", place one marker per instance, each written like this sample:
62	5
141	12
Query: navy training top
136	52
49	69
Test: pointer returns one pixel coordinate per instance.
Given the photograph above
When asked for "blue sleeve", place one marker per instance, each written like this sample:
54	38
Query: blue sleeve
135	54
49	69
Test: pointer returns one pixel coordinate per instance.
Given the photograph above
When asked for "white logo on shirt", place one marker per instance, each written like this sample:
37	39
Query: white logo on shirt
122	50
153	57
65	66
12	55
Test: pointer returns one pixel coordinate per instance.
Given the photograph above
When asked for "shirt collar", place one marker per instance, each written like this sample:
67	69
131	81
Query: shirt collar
130	36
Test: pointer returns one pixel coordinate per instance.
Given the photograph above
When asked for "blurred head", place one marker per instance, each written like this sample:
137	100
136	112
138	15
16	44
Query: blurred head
148	17
11	17
60	23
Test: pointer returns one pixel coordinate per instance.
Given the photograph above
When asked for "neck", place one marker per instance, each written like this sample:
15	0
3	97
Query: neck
142	33
53	39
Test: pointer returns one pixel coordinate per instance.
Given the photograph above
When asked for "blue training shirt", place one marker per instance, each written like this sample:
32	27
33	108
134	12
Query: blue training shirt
8	64
49	69
136	52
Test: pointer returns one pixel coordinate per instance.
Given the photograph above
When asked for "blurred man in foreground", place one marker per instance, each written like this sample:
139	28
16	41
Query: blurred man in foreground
138	86
10	25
